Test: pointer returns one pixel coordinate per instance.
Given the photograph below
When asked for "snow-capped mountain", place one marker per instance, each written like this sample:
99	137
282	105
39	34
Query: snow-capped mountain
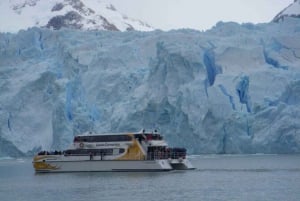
56	14
293	10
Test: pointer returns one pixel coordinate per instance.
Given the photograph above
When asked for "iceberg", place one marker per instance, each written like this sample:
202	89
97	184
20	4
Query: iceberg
232	89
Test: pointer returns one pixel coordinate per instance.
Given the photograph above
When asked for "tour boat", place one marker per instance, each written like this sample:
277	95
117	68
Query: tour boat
90	152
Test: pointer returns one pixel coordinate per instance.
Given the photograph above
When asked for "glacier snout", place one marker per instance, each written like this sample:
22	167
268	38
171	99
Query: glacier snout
213	92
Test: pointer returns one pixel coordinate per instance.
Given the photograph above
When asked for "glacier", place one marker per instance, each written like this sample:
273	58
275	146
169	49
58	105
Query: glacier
229	90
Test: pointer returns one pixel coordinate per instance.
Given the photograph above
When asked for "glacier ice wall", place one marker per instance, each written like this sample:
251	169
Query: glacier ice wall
232	89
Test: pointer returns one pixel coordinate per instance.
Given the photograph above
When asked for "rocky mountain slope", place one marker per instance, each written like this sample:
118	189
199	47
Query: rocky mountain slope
57	14
292	10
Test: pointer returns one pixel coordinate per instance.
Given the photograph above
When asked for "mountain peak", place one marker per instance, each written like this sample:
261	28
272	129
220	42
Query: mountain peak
76	14
293	10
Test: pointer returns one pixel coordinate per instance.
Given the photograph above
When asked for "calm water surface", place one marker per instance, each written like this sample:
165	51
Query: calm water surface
225	177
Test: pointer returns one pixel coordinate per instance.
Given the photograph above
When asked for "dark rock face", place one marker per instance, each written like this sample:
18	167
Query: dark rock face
80	7
71	20
279	17
57	7
107	25
130	28
75	19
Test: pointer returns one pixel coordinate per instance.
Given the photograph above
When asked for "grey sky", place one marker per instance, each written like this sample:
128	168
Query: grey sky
200	14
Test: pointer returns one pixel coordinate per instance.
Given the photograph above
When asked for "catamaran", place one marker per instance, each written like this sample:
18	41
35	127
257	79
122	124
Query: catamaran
90	152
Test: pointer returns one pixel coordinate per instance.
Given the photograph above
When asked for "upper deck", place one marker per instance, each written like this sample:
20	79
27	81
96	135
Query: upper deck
117	137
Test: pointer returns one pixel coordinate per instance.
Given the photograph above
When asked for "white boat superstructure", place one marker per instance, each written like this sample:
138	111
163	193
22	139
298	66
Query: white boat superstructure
140	151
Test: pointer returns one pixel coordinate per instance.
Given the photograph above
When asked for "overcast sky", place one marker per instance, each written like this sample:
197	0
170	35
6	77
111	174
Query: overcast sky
199	14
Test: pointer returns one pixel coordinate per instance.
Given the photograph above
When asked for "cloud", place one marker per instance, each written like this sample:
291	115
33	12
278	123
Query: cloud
200	14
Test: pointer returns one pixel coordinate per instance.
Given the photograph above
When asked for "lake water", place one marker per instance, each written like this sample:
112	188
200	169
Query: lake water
217	177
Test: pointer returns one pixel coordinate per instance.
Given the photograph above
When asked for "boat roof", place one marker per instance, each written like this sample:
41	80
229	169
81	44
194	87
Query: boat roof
90	133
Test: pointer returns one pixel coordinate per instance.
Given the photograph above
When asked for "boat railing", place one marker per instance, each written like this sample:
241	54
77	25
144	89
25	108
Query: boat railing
136	156
153	156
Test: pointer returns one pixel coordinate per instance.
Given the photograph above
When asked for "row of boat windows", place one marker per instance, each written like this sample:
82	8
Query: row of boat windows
116	138
93	151
103	138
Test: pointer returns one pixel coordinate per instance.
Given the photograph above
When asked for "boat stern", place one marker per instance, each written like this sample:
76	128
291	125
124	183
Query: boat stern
181	164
